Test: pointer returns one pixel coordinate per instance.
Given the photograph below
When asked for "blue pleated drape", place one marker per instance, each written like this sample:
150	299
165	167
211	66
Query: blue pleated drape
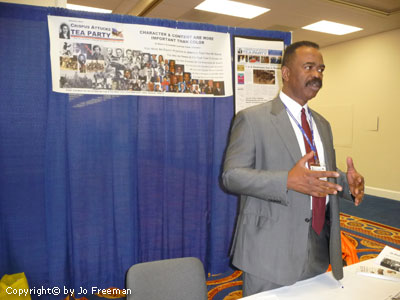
91	184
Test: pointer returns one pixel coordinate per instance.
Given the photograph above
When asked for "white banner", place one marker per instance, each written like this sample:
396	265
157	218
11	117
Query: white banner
257	71
97	57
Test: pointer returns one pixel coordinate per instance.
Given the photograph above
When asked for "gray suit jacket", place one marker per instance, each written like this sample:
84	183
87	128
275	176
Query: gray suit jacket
271	234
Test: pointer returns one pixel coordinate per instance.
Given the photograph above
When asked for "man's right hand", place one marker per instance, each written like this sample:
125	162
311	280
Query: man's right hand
303	180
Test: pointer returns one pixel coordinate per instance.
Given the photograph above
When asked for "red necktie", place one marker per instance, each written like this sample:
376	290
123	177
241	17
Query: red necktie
318	203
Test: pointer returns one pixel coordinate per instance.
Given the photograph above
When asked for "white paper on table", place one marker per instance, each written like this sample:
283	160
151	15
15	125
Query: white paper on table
389	258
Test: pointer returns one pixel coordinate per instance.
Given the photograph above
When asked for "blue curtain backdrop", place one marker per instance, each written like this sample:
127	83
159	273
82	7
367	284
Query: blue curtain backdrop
86	191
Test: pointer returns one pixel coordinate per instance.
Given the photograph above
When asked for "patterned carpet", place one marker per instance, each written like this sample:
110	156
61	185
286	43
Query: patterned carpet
369	238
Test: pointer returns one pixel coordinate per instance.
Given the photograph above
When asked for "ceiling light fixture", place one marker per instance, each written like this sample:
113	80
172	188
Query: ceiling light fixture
232	8
88	8
332	27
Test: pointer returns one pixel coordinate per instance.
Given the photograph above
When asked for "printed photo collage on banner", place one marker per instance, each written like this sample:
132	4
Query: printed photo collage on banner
93	66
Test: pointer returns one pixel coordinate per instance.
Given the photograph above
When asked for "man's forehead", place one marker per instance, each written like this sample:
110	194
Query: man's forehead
308	54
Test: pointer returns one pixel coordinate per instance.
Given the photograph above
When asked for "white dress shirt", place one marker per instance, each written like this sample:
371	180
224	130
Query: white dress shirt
295	108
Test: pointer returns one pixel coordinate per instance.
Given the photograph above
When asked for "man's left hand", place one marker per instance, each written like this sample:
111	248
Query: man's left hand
356	182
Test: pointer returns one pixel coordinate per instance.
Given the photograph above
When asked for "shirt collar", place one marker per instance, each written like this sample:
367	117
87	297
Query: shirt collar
294	107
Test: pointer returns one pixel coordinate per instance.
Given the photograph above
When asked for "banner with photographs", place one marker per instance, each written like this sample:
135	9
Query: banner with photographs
98	57
257	71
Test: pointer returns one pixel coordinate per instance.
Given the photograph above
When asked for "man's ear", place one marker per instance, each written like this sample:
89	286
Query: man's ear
285	73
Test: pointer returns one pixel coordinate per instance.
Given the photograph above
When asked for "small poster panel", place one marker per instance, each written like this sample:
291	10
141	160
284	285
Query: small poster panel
258	76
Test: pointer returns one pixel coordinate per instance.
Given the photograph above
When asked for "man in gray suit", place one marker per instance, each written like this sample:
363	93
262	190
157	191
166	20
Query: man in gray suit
268	163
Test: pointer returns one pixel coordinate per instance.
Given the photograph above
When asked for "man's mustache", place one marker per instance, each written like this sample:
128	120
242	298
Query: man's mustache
316	81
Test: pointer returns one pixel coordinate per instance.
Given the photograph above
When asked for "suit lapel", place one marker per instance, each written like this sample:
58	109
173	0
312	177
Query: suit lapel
284	128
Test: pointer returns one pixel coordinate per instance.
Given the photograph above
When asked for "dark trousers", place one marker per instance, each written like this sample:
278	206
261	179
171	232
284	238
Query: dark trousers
316	262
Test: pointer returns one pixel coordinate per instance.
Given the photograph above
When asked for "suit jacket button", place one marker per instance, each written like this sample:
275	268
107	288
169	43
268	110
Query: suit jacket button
307	220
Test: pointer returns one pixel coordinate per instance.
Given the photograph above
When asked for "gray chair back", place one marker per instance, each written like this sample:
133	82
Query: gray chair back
169	279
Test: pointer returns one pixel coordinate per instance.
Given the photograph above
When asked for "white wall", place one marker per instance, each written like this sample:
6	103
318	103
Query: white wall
361	100
57	3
